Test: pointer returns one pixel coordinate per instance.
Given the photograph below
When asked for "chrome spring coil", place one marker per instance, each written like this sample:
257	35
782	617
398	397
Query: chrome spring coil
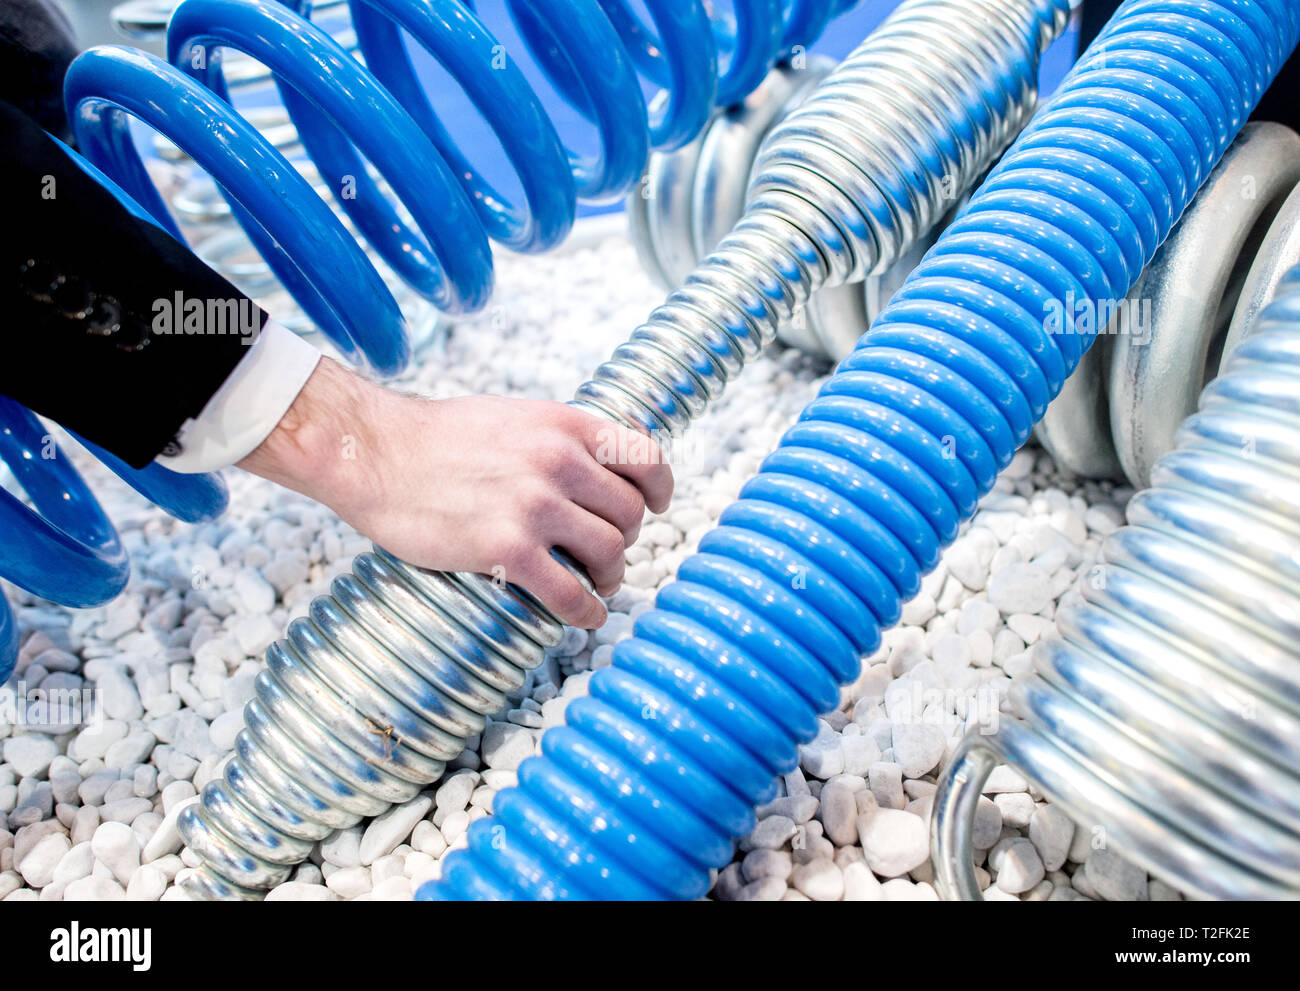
317	751
1166	716
692	197
1119	412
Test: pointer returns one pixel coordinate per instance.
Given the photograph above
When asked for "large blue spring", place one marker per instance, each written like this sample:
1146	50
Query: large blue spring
595	52
655	774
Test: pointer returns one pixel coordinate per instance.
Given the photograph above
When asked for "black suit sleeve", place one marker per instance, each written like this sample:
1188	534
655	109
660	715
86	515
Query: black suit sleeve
85	287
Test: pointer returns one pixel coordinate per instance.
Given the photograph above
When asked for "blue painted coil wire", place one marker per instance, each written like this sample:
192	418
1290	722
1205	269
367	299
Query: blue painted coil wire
655	774
594	51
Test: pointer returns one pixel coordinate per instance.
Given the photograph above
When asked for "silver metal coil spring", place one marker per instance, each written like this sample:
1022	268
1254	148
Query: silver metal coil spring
914	172
1166	716
690	199
1120	410
366	697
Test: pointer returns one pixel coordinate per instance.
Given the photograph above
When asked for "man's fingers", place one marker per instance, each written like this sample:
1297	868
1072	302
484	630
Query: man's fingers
638	459
560	592
612	498
596	544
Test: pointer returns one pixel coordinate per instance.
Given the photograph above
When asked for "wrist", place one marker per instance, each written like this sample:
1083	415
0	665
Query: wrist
316	448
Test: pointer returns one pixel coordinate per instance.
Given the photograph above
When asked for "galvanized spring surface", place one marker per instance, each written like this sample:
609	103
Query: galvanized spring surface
1166	716
1120	410
691	199
389	674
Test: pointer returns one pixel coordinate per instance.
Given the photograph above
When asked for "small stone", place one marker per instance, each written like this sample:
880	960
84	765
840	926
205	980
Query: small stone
455	825
453	794
820	880
342	848
768	889
1005	778
118	696
967	560
1016	808
1020	588
134	748
1051	831
115	846
386	831
38	865
505	745
393	889
893	841
988	824
224	729
1018	865
124	810
146	885
771	833
860	885
918	748
859	753
176	792
427	838
839	809
30	754
618	626
886	781
766	863
822	757
166	839
349	882
254	592
572	643
84	824
255	633
78	862
94	889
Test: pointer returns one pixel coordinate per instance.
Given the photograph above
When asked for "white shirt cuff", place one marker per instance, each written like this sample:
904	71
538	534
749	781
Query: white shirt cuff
249	404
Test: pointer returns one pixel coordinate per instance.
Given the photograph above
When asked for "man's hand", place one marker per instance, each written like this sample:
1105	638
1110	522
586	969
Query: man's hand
479	483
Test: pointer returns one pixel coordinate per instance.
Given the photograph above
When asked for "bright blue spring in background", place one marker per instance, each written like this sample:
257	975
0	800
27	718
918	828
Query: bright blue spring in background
595	52
655	774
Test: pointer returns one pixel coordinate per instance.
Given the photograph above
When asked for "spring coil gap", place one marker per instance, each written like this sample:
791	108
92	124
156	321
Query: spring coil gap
658	769
308	760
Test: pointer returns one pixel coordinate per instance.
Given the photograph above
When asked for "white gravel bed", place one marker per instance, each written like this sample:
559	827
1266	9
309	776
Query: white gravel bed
89	813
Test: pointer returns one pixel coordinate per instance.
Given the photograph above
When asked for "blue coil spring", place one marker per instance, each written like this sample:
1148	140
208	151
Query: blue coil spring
595	52
655	774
